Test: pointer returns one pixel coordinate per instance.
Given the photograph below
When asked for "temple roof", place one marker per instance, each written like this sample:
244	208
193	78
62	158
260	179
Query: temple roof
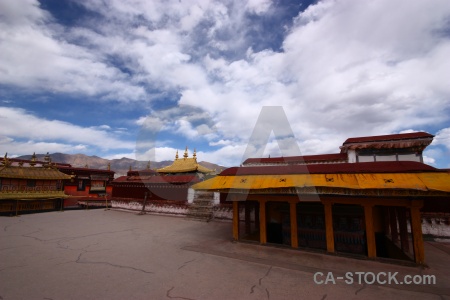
334	157
389	137
360	181
416	140
333	178
184	165
158	179
32	173
338	168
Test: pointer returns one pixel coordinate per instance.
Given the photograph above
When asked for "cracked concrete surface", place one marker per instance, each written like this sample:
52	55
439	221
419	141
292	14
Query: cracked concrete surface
99	254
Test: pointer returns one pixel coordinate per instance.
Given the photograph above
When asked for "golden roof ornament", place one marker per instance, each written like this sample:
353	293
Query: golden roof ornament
129	168
48	161
148	165
176	155
33	159
6	161
109	166
185	155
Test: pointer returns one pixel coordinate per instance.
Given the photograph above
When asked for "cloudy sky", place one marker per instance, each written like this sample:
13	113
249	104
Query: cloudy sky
141	79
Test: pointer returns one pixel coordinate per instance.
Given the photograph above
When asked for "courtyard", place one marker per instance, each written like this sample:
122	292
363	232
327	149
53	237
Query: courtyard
113	254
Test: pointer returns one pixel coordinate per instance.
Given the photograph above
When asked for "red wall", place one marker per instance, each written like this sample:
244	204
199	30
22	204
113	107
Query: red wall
155	192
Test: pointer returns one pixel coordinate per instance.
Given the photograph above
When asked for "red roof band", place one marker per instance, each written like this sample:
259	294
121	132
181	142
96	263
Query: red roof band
298	159
389	137
364	167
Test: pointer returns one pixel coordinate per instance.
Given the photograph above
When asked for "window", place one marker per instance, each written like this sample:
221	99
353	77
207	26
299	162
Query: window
81	185
31	183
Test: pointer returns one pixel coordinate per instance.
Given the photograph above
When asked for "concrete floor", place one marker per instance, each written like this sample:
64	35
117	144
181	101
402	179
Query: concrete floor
98	254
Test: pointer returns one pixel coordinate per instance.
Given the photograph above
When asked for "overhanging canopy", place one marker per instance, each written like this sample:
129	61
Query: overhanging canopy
438	181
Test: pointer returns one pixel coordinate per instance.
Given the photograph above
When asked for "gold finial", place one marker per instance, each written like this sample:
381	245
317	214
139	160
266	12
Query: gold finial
129	168
48	161
148	165
6	161
176	155
185	153
33	159
195	154
109	166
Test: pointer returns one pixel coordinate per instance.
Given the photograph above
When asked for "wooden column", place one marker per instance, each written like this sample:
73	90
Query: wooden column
293	217
393	224
416	228
329	226
262	222
403	228
370	234
235	220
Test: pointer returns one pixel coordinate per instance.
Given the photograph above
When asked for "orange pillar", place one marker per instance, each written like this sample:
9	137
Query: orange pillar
262	222
329	226
293	217
370	234
416	228
235	220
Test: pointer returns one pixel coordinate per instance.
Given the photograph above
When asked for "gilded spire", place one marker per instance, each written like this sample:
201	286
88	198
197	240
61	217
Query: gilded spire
48	161
129	168
109	166
195	154
6	161
185	153
33	159
148	165
176	155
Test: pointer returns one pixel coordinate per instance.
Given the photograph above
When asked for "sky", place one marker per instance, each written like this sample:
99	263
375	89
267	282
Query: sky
142	79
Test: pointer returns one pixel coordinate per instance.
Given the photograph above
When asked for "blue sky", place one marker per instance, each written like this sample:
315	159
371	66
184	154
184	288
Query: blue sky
142	79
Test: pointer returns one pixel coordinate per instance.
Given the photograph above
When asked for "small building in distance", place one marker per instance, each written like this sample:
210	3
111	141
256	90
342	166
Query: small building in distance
87	186
29	186
392	147
81	185
169	184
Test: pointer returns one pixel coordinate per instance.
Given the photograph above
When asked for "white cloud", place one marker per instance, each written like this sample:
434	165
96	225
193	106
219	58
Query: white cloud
19	124
258	6
346	68
442	137
429	160
18	148
35	56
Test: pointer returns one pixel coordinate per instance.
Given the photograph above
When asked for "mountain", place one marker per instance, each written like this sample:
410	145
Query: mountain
120	166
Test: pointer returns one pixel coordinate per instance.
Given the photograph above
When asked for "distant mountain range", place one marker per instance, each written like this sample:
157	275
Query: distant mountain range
120	166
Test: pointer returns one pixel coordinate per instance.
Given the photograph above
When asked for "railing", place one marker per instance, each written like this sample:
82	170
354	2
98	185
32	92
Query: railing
25	192
28	189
